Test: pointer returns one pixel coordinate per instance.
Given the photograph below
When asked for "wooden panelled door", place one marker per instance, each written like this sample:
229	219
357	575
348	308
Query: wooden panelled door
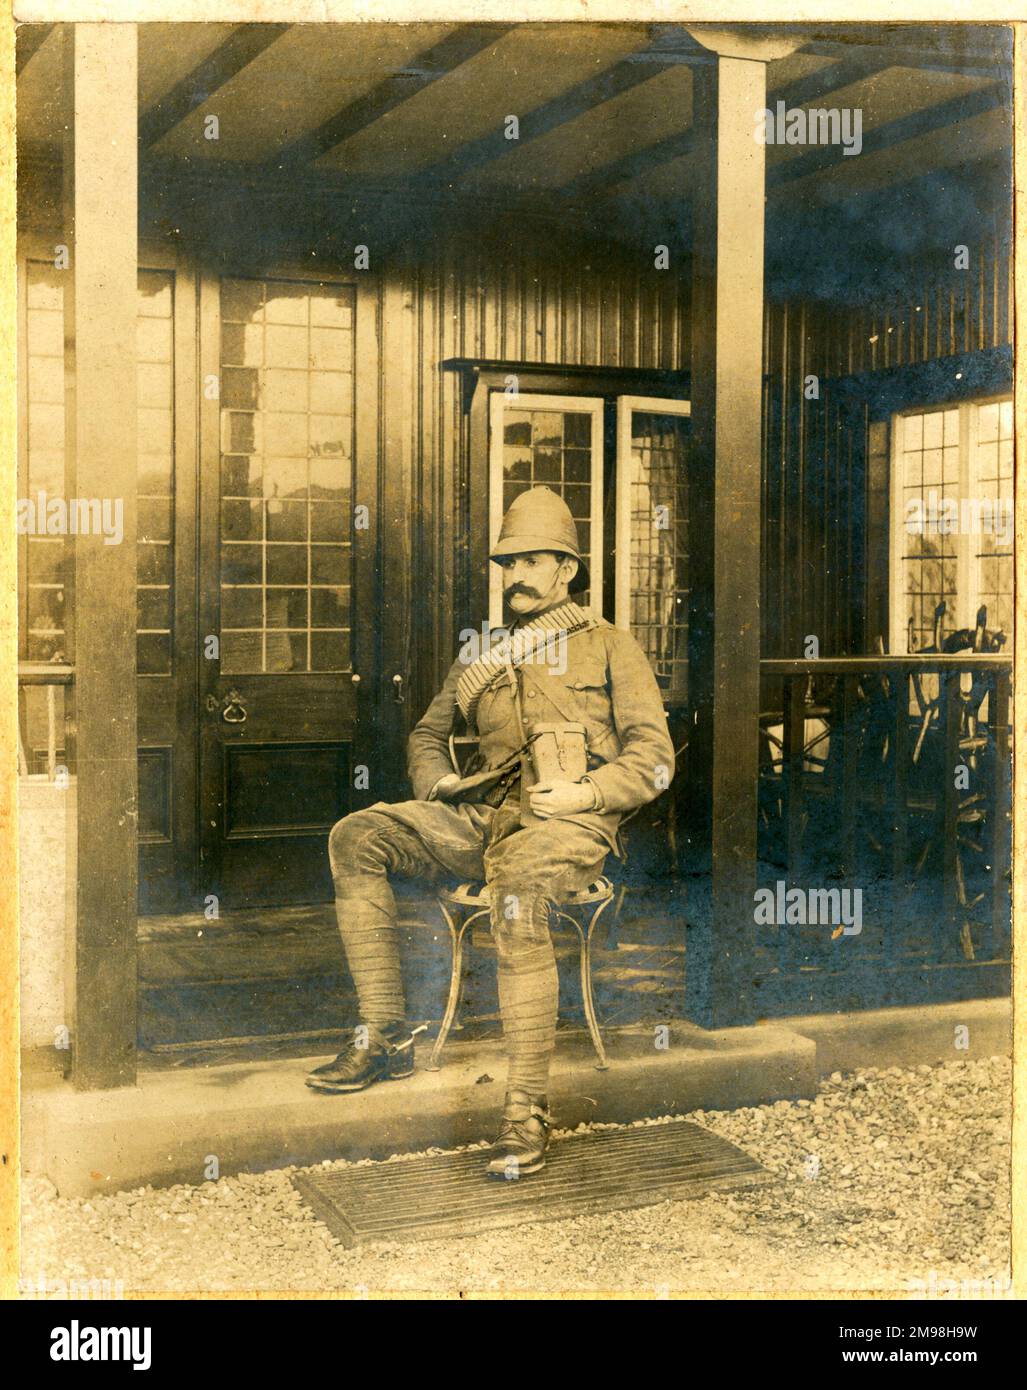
279	572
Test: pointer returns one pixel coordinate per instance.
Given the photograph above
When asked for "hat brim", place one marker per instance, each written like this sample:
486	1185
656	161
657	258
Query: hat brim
524	545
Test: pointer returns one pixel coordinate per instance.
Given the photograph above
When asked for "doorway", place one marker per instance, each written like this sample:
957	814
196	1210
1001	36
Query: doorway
257	582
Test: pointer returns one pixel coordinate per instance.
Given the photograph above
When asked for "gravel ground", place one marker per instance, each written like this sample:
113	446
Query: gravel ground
886	1177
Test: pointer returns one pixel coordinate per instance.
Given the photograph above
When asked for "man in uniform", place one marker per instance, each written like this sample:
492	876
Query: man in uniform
531	841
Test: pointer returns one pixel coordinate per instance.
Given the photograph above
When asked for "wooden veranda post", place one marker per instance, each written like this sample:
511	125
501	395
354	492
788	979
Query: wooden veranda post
100	232
725	495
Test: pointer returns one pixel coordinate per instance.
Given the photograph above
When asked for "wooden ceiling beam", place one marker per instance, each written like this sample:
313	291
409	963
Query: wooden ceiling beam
912	50
244	44
818	86
814	87
583	97
596	182
892	134
464	43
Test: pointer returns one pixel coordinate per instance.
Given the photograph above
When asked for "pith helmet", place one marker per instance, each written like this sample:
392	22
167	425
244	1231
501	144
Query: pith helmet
540	520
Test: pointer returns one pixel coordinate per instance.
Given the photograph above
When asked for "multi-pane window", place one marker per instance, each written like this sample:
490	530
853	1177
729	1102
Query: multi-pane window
557	442
952	520
44	464
155	376
554	442
993	550
44	459
286	476
652	533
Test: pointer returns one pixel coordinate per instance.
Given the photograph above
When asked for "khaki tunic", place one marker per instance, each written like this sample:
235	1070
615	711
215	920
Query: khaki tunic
608	686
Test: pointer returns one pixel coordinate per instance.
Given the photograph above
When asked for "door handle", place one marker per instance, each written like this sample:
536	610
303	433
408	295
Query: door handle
397	686
233	711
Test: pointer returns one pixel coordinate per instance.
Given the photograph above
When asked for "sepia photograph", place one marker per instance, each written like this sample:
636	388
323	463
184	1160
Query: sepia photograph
513	519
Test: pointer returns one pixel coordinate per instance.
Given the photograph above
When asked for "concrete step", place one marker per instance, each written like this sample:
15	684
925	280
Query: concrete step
249	1117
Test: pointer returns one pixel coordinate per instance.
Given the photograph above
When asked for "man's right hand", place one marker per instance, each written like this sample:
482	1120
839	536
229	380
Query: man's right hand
444	787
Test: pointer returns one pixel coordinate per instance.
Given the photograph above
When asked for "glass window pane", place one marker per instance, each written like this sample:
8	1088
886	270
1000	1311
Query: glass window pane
45	287
286	346
241	521
241	564
286	434
46	471
153	340
285	477
242	301
153	564
329	564
155	292
287	521
240	475
239	388
154	430
286	304
330	434
286	431
329	651
285	389
329	521
45	333
242	607
517	428
46	560
242	344
286	607
46	380
331	311
153	609
45	608
933	430
659	543
153	653
546	428
241	651
330	477
577	430
329	607
987	422
154	385
286	651
536	453
46	428
154	518
241	432
286	564
331	349
330	392
155	475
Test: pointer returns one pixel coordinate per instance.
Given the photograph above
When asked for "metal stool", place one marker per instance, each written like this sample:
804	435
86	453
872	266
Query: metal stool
466	904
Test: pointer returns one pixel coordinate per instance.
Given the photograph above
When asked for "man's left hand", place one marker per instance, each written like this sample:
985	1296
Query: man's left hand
562	798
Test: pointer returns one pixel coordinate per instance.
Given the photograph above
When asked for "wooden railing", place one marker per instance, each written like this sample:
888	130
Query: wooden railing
891	776
50	675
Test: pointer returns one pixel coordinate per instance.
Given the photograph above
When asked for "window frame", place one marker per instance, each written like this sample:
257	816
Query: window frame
968	567
656	405
501	401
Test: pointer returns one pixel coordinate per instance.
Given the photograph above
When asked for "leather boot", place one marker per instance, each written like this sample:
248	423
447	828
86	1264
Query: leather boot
388	1056
523	1137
